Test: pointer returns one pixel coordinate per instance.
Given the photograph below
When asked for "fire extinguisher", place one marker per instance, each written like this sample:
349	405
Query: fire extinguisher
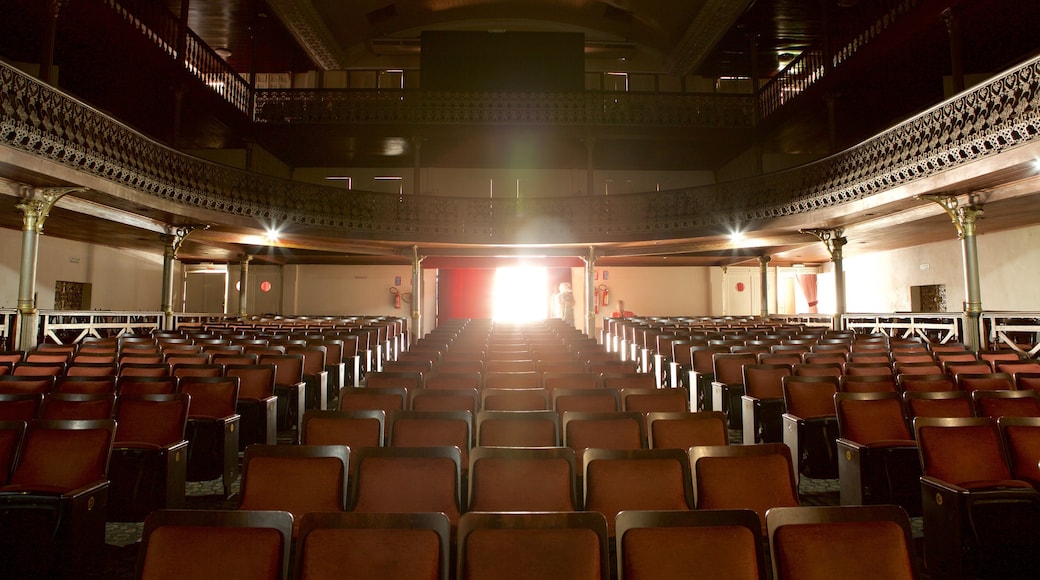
397	297
605	294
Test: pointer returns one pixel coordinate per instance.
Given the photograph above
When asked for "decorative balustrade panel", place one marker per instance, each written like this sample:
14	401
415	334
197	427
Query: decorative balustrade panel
70	326
1019	331
357	106
931	327
8	328
989	119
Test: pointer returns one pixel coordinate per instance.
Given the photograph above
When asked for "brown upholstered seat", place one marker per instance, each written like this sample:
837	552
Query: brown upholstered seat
373	546
522	479
148	468
671	544
848	542
641	479
810	426
877	455
179	544
533	546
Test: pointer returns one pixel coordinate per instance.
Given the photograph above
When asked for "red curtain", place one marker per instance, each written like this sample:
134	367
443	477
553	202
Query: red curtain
807	282
465	293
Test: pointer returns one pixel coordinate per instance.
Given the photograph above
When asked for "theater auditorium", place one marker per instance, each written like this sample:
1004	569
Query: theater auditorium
456	289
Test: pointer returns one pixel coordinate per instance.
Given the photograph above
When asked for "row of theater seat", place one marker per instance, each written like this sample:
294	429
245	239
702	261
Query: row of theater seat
804	542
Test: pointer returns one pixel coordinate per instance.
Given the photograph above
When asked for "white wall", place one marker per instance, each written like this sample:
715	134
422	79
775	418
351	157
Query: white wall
1009	265
344	290
654	291
120	279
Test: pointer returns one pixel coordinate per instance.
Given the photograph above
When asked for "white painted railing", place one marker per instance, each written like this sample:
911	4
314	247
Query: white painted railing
71	326
929	326
1016	330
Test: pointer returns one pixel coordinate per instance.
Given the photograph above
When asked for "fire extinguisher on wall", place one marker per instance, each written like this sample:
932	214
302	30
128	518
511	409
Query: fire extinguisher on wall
604	295
396	297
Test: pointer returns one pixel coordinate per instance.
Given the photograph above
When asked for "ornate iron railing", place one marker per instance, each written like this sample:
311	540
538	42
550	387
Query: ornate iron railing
72	326
159	25
989	119
866	24
371	106
1019	331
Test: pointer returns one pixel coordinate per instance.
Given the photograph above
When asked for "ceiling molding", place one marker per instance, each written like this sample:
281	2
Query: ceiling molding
713	21
307	27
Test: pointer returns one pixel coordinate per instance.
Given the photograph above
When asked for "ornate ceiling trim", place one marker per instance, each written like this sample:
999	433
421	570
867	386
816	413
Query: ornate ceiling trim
303	22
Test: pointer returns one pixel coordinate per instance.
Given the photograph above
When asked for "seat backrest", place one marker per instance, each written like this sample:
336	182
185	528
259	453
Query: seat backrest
809	397
38	369
431	429
11	435
211	397
522	479
386	399
575	543
685	430
867	383
764	381
92	369
1021	436
653	400
628	381
394	379
850	542
584	380
961	450
256	381
132	385
512	380
408	479
373	546
151	420
298	479
868	418
86	384
196	370
314	357
729	367
19	406
453	380
689	543
77	406
984	381
1025	381
151	369
607	430
289	367
1006	403
518	429
818	369
492	399
937	404
209	543
11	384
866	369
641	479
937	382
445	400
585	400
757	477
363	428
62	456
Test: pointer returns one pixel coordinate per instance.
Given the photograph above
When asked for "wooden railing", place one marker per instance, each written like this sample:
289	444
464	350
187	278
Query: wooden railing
8	328
72	326
927	326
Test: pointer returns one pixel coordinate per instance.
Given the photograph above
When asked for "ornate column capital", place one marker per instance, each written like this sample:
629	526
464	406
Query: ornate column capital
964	217
833	239
37	203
